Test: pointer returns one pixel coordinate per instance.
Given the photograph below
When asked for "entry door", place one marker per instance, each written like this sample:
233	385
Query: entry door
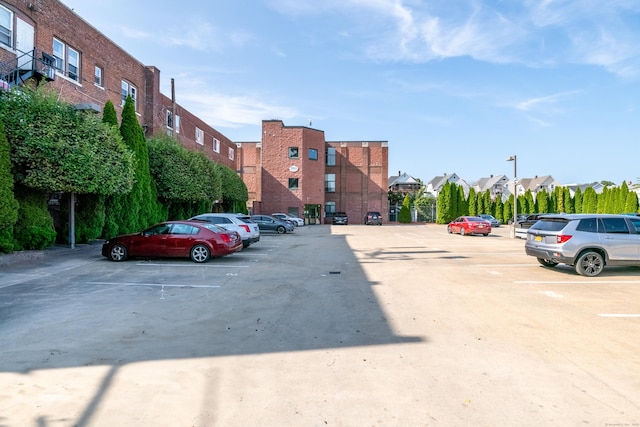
24	45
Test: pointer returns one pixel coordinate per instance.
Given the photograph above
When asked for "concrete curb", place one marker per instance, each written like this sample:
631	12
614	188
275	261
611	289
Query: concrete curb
20	257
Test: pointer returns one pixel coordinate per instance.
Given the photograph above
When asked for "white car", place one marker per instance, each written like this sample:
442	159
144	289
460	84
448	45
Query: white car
248	230
292	219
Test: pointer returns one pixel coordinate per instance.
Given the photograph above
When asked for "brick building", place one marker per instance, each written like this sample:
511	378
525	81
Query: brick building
292	169
44	39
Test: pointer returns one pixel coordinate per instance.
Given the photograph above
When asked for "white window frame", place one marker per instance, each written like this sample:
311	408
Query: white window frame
177	124
97	76
7	31
127	88
68	61
199	136
216	145
231	153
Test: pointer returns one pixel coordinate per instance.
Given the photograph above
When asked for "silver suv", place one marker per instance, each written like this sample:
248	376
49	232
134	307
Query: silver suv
586	241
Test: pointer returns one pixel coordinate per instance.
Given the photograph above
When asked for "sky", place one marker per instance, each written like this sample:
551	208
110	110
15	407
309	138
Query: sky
453	86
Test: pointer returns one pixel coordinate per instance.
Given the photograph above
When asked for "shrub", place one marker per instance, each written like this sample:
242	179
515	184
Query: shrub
34	229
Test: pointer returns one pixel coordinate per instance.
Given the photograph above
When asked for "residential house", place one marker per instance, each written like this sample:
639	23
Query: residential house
434	186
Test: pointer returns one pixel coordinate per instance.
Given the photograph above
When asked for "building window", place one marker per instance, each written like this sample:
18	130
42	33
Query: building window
177	125
127	89
6	26
331	156
293	152
293	183
313	154
169	120
67	60
330	183
232	154
199	136
329	208
97	77
216	145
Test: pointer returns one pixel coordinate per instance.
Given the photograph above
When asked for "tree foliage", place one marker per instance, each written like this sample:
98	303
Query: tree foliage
182	175
8	204
142	207
57	148
404	216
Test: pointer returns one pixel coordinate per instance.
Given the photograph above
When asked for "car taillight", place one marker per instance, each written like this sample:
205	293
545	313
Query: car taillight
563	238
225	238
246	227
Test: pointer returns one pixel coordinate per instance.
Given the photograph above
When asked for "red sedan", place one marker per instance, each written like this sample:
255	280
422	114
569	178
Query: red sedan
469	225
184	239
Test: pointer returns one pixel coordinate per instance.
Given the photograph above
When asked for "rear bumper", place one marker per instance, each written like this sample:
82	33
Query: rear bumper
548	254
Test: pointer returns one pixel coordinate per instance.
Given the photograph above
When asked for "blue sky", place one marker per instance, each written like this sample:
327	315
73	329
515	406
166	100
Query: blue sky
454	86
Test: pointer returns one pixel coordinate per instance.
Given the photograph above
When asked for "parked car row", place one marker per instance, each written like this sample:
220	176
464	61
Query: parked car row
200	238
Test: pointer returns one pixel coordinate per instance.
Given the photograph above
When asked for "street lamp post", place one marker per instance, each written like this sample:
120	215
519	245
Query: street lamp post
515	195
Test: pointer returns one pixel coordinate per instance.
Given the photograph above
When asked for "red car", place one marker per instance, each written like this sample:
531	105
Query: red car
469	225
172	239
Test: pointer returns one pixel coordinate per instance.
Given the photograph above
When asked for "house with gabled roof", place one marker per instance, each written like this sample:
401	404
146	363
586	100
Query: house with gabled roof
597	187
497	185
404	183
435	185
537	184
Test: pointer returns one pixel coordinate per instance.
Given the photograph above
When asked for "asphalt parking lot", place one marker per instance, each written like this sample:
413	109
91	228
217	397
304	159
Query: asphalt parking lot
398	325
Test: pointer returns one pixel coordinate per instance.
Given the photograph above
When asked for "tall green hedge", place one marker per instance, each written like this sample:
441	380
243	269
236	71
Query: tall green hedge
8	204
34	229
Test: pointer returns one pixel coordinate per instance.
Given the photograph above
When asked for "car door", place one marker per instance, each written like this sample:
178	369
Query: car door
180	240
455	225
150	242
617	239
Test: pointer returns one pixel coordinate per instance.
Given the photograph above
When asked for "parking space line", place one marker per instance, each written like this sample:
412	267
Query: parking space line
619	315
191	265
562	282
168	285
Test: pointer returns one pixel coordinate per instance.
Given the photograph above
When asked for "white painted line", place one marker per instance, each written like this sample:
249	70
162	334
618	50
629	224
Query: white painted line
503	265
581	282
152	284
191	265
619	315
551	294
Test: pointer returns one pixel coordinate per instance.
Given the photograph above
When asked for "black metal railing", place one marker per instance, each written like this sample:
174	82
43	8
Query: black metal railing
27	65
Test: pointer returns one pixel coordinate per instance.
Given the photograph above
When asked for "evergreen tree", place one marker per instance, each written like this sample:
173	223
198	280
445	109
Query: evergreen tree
113	210
404	216
8	204
542	201
444	205
602	201
589	201
142	207
463	207
577	201
473	202
499	210
631	205
568	203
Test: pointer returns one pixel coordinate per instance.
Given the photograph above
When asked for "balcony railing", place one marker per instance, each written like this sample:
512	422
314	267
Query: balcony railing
27	65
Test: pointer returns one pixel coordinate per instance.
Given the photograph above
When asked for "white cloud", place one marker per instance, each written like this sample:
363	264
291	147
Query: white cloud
224	110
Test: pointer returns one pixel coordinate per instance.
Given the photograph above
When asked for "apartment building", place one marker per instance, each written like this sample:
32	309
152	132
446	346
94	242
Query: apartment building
292	169
45	40
295	170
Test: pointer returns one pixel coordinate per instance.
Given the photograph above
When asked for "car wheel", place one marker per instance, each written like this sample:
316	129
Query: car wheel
200	253
547	262
118	253
449	230
280	229
462	231
589	264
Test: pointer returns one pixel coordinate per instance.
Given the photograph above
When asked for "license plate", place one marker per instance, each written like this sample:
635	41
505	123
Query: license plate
538	238
481	226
